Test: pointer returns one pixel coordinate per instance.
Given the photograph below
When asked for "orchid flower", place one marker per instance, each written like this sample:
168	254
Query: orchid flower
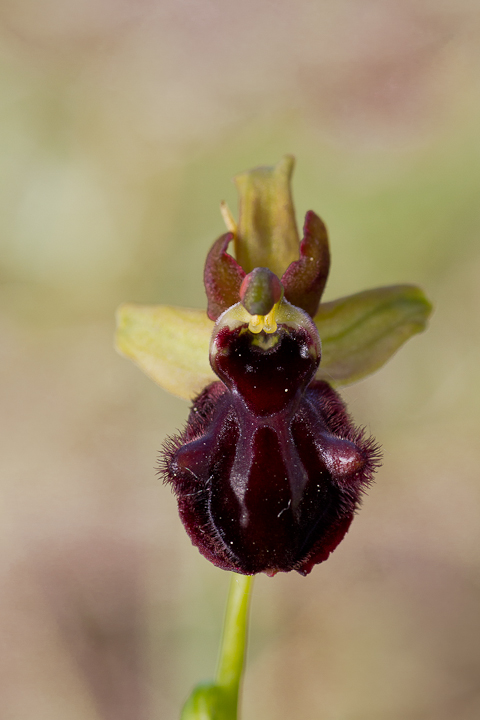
270	468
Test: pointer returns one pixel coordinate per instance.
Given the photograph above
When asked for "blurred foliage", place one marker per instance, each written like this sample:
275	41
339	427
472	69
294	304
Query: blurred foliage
121	123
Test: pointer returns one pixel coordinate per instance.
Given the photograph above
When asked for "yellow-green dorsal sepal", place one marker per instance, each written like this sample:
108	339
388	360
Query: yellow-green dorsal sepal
266	234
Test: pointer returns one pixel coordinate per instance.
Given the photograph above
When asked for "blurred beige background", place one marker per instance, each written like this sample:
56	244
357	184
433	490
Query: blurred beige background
122	124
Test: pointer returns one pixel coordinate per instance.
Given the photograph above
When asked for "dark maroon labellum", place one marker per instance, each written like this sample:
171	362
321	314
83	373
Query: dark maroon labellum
270	468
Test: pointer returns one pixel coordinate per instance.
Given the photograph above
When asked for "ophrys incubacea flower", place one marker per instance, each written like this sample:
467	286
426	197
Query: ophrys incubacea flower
270	468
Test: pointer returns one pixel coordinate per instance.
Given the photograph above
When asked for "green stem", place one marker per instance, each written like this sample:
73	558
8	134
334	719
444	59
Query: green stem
219	700
234	639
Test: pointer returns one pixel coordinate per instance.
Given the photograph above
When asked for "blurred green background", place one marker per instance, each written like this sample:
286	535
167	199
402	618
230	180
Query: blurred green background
122	125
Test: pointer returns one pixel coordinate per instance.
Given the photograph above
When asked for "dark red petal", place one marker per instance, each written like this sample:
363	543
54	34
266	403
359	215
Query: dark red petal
304	280
222	276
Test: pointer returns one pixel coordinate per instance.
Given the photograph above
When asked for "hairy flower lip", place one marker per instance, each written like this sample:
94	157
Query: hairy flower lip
275	537
270	469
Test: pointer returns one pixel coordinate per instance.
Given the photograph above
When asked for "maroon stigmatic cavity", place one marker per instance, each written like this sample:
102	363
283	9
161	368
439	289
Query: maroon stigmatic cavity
270	469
